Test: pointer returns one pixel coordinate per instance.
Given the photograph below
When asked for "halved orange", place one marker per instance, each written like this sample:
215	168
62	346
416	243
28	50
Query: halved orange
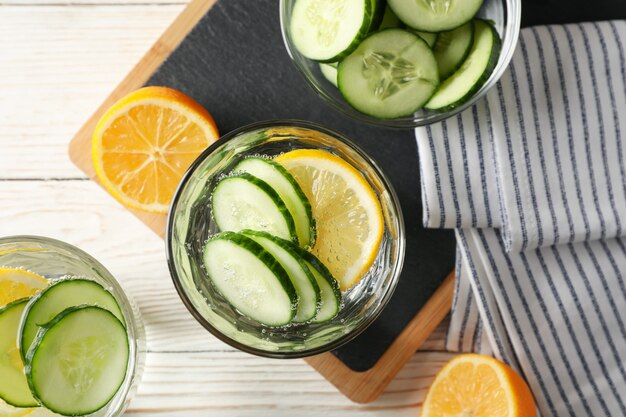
145	142
472	385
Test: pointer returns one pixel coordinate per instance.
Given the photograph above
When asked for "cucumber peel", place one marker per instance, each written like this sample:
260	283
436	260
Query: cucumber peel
474	71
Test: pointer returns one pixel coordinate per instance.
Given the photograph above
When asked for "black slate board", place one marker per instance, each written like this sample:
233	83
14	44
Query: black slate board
543	12
234	63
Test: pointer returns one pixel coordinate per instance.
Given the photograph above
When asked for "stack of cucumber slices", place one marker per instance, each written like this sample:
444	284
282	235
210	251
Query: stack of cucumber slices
390	60
259	261
65	349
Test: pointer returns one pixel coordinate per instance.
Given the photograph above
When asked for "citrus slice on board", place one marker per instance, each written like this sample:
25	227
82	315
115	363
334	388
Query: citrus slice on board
472	385
18	283
347	212
145	142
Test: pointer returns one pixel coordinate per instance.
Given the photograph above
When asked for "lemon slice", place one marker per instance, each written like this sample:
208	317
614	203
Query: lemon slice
145	142
18	283
40	412
23	412
7	410
346	210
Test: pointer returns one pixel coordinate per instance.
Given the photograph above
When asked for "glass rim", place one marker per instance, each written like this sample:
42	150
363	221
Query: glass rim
343	339
17	239
511	31
56	243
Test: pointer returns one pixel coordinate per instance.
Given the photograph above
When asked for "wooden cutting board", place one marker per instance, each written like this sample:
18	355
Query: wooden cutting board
229	56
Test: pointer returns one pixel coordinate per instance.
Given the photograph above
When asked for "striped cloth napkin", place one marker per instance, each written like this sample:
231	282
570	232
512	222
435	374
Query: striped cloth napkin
533	179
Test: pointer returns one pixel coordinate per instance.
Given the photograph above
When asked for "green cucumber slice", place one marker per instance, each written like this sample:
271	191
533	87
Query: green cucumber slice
451	49
429	38
329	71
330	303
288	190
328	30
56	298
250	279
302	279
474	71
390	20
378	11
435	15
329	287
246	202
391	74
14	388
78	361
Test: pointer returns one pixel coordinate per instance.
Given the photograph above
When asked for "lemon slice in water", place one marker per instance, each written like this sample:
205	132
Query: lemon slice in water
18	283
346	210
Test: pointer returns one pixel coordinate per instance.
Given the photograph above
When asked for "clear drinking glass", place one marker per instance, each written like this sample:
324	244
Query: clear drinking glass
506	17
54	259
190	224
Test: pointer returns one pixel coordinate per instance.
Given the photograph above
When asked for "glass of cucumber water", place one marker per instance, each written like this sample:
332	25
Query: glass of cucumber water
259	230
400	63
71	341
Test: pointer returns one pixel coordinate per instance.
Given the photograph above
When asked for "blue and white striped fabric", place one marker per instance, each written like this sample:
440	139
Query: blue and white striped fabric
533	179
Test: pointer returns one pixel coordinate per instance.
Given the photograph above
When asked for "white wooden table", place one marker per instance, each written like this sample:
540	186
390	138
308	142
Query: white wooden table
58	60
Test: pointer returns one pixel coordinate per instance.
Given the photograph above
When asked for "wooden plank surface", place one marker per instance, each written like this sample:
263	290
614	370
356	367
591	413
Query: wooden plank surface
81	3
57	67
58	64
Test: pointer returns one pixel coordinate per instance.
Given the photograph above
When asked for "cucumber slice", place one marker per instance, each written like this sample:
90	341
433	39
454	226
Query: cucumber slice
328	30
329	287
250	279
14	388
390	20
391	74
302	279
429	38
451	49
246	202
474	71
435	15
78	361
329	302
288	190
56	298
329	71
378	11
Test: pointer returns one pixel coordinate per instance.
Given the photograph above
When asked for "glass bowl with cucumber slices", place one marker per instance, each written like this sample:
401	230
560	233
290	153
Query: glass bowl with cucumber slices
400	63
284	239
71	342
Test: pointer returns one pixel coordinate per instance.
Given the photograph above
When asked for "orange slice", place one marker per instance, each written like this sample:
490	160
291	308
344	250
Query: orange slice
143	145
347	213
474	385
18	283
